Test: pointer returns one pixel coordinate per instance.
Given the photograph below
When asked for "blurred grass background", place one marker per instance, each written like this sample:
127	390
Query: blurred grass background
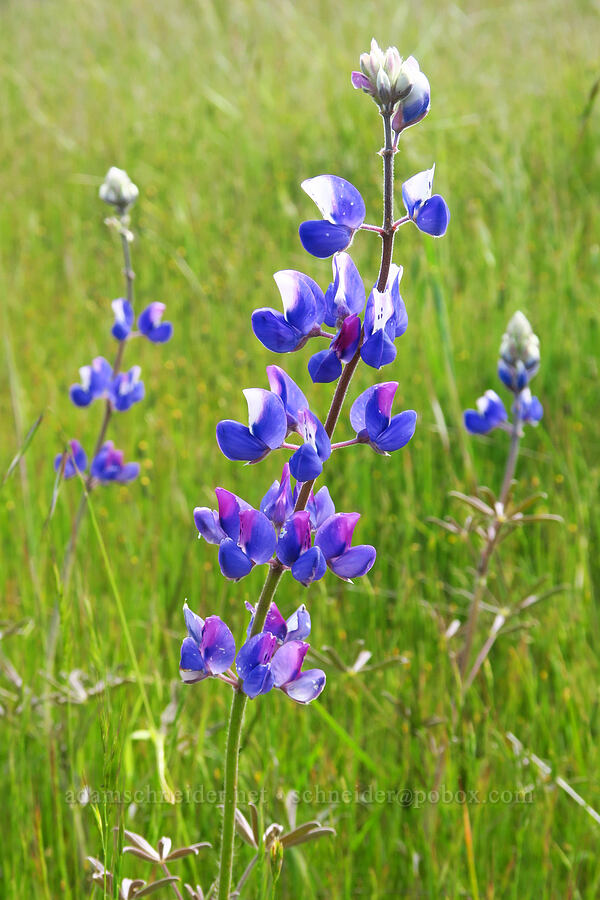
218	112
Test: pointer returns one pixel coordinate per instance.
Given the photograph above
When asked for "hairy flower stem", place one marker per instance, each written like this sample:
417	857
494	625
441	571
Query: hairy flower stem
234	735
276	570
68	560
488	550
388	203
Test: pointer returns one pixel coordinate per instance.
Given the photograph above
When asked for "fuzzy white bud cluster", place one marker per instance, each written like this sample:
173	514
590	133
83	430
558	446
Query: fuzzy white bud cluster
519	342
118	189
390	78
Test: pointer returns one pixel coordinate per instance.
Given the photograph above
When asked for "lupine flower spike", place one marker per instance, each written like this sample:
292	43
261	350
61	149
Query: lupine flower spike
497	516
102	380
296	530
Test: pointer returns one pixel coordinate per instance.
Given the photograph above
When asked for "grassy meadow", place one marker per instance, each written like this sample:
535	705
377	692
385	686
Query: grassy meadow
218	111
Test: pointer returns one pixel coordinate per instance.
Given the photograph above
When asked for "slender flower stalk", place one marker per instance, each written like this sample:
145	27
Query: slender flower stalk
489	547
518	363
69	556
239	701
340	444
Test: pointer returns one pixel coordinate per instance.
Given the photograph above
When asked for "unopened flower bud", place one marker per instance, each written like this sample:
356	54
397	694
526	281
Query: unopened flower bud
384	89
118	189
276	859
385	76
392	64
415	105
369	66
519	353
520	342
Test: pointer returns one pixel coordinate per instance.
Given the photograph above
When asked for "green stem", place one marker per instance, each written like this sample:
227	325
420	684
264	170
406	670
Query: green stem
234	735
276	570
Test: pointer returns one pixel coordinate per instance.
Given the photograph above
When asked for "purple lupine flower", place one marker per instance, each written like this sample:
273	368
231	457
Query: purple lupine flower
75	461
218	525
127	389
95	382
304	310
320	507
414	107
124	317
151	326
294	549
208	650
108	466
430	214
326	366
274	658
490	413
290	394
334	539
307	462
278	502
254	546
266	430
296	628
345	296
343	211
528	408
514	376
385	320
370	416
245	536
